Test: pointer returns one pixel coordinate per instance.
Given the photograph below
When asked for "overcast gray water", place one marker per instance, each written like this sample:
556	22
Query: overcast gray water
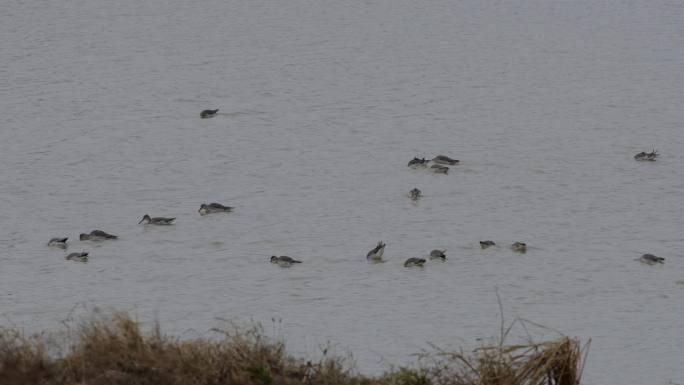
322	104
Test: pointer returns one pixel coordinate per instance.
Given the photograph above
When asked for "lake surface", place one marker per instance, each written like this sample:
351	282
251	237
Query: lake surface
322	104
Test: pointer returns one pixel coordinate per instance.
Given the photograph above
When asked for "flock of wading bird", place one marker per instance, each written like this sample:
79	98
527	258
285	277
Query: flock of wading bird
439	165
99	235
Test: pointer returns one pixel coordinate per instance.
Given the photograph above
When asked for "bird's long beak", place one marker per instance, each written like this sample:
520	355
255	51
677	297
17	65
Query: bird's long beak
141	221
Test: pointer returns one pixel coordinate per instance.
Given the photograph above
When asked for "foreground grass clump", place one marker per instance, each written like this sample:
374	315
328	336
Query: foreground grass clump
115	351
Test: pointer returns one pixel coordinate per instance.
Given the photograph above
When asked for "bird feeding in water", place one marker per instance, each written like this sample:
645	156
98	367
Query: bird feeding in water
443	159
486	244
96	235
208	113
160	221
411	262
212	208
79	257
438	254
437	169
60	243
415	194
418	163
646	156
376	253
284	260
520	247
651	259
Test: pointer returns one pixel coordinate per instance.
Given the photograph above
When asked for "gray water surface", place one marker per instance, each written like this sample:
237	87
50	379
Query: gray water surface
322	104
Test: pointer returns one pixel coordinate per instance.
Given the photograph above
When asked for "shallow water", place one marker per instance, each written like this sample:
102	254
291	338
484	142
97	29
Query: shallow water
322	104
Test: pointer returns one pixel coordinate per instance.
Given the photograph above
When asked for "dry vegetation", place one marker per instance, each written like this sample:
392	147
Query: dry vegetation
116	351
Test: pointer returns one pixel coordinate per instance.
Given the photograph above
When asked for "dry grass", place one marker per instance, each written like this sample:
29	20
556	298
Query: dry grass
115	351
549	363
23	361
